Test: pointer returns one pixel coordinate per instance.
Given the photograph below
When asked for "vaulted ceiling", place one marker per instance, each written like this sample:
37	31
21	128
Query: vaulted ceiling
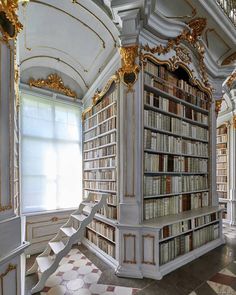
74	39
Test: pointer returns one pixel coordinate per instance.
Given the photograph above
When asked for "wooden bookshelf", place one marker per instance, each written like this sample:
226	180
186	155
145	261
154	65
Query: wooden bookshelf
222	168
100	168
176	180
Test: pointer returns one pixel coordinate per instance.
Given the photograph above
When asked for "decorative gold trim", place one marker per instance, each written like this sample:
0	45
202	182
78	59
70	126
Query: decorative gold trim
231	80
72	16
218	104
234	121
99	94
53	82
173	64
190	35
8	10
153	249
183	54
125	236
230	59
129	69
59	60
10	268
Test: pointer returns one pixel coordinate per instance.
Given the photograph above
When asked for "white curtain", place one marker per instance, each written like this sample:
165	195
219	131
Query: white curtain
51	154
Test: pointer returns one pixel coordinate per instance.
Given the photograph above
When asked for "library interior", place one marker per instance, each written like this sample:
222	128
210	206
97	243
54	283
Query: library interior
117	147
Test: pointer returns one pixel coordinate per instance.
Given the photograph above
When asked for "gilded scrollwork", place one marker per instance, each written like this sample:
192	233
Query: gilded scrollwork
190	35
231	80
218	104
53	82
10	25
129	69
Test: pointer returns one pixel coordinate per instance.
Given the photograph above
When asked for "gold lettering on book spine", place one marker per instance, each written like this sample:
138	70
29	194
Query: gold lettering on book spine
53	82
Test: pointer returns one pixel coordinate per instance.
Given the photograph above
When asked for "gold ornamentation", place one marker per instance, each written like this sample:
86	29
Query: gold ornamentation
173	64
218	104
99	94
231	80
190	35
234	121
183	54
129	69
10	25
9	269
230	59
54	82
54	219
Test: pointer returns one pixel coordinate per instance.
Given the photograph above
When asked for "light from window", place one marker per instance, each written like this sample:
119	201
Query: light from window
51	161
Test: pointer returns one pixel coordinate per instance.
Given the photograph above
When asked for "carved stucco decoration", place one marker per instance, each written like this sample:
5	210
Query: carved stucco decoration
129	69
234	121
218	104
192	36
9	23
183	54
53	82
231	80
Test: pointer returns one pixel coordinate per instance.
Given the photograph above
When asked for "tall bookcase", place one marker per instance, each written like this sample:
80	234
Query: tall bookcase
177	195
151	150
222	168
100	171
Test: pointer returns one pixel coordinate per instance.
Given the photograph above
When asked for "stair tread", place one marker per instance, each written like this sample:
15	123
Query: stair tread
44	263
89	204
69	231
79	217
56	246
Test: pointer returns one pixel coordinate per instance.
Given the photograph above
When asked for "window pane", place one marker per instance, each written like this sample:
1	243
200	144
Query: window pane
51	154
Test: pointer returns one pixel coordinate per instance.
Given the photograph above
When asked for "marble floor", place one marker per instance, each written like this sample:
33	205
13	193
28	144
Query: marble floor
211	274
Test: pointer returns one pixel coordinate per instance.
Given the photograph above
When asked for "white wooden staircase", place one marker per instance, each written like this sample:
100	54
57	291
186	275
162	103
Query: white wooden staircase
70	233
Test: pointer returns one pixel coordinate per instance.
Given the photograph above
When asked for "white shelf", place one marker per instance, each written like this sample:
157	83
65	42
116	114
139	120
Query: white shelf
100	168
170	219
175	173
100	135
174	154
176	194
100	147
174	134
106	107
98	158
100	123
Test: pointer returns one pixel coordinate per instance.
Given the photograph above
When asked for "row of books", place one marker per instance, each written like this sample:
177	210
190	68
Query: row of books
102	152
106	101
103	140
221	187
175	247
176	91
110	212
221	151
173	107
107	162
98	118
205	235
161	72
170	163
158	185
175	229
97	185
221	158
222	195
154	208
171	249
222	165
221	138
166	143
201	220
221	130
102	128
96	197
221	179
102	243
174	125
100	174
221	171
222	148
103	229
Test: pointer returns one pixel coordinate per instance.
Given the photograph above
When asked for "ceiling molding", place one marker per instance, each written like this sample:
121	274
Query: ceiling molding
57	59
72	16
